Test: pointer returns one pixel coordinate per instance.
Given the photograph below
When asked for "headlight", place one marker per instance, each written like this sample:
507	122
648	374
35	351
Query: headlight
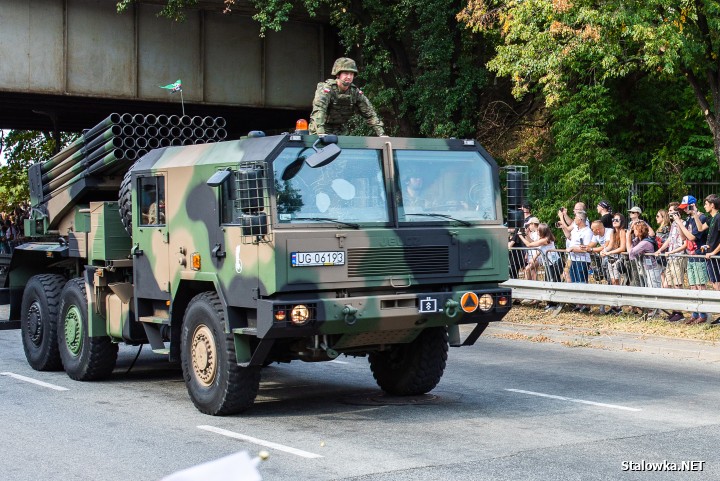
299	315
486	302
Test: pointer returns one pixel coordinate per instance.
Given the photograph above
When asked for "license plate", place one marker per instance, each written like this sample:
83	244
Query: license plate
325	258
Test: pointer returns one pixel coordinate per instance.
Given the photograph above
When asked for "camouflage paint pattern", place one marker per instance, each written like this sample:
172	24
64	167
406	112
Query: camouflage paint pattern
256	277
352	308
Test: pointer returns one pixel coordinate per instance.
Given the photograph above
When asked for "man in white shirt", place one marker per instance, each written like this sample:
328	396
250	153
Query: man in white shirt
577	246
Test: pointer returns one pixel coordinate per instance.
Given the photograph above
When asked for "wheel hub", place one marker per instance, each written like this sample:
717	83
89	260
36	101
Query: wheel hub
34	323
203	355
73	330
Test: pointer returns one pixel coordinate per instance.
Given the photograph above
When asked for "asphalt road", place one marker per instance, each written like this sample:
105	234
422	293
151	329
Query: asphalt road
505	410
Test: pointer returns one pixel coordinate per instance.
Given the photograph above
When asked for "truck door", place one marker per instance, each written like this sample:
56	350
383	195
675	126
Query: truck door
151	265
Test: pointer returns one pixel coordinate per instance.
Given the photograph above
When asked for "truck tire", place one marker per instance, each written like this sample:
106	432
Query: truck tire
125	202
414	368
215	382
85	358
40	303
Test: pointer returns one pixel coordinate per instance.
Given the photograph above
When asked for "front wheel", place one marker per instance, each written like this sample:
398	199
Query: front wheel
215	382
85	358
414	368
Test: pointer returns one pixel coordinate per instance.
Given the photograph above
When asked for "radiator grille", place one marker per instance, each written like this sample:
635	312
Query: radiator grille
391	261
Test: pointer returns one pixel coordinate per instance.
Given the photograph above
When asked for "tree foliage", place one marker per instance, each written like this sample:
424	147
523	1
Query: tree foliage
558	46
424	74
23	148
591	95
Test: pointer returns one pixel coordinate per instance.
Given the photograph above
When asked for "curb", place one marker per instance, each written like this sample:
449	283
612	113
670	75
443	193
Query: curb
591	338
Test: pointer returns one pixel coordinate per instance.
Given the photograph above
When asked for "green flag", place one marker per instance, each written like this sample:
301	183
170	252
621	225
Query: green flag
173	87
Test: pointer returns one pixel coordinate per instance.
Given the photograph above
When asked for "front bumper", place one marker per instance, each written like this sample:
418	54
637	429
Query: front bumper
382	312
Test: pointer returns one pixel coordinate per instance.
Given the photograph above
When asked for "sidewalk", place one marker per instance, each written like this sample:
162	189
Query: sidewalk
675	348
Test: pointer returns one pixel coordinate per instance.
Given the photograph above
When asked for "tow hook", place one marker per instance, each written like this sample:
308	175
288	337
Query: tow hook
451	308
331	353
349	314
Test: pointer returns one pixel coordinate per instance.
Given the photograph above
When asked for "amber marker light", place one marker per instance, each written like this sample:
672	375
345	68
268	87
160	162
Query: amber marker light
502	301
195	261
301	124
299	315
280	315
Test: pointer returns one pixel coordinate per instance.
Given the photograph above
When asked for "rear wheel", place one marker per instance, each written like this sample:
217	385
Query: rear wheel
85	358
39	314
215	382
414	368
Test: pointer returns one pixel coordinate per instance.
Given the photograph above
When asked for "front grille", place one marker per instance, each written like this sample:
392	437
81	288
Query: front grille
393	261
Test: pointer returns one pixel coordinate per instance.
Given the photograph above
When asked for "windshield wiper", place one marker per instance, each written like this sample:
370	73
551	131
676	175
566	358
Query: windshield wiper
348	224
445	216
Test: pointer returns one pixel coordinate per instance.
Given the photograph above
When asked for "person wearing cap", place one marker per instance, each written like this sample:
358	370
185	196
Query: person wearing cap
635	214
712	249
696	268
338	99
605	212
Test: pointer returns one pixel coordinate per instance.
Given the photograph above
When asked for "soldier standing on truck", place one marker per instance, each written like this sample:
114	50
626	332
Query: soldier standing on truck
338	99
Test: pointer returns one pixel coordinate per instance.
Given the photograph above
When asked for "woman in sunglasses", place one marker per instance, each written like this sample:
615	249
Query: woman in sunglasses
613	251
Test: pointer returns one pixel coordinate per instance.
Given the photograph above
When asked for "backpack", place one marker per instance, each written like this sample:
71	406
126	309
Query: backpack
655	242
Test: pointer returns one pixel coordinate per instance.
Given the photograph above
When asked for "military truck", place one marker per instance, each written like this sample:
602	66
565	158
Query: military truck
228	256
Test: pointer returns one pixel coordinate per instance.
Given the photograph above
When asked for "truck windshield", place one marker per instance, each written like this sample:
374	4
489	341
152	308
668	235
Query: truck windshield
350	189
437	186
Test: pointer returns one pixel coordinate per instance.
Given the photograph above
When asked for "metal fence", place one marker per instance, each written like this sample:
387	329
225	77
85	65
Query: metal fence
649	281
650	196
678	271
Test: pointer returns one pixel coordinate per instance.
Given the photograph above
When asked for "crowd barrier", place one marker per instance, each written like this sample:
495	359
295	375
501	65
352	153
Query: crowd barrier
650	281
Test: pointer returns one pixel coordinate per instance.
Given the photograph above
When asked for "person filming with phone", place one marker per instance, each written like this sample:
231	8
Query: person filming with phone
696	237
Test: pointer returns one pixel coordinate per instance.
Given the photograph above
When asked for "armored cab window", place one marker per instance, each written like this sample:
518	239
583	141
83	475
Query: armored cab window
151	200
229	212
432	186
349	189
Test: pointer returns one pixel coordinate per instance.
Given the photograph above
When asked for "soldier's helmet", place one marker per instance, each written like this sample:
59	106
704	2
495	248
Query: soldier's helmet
344	64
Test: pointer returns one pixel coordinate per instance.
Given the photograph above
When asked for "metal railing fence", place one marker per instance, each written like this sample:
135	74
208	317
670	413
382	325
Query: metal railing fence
678	271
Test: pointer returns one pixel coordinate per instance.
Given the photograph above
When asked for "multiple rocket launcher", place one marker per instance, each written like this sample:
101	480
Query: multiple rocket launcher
98	160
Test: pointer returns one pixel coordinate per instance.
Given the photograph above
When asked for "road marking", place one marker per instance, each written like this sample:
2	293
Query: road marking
581	401
34	381
261	442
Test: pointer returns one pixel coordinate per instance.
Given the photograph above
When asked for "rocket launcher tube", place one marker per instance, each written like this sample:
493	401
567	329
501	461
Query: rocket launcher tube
57	182
77	156
109	158
68	151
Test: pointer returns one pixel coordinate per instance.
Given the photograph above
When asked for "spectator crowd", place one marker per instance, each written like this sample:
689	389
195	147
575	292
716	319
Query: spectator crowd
11	228
680	248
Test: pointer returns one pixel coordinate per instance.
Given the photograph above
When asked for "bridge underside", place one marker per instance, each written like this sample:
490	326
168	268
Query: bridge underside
73	114
70	63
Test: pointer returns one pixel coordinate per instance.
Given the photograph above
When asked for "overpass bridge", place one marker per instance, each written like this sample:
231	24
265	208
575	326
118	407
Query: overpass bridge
67	64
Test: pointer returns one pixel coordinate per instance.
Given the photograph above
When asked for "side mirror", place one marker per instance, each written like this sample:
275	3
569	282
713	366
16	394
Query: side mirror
325	155
218	178
293	168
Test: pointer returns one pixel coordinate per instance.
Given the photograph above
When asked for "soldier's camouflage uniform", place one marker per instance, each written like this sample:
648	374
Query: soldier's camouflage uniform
332	109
